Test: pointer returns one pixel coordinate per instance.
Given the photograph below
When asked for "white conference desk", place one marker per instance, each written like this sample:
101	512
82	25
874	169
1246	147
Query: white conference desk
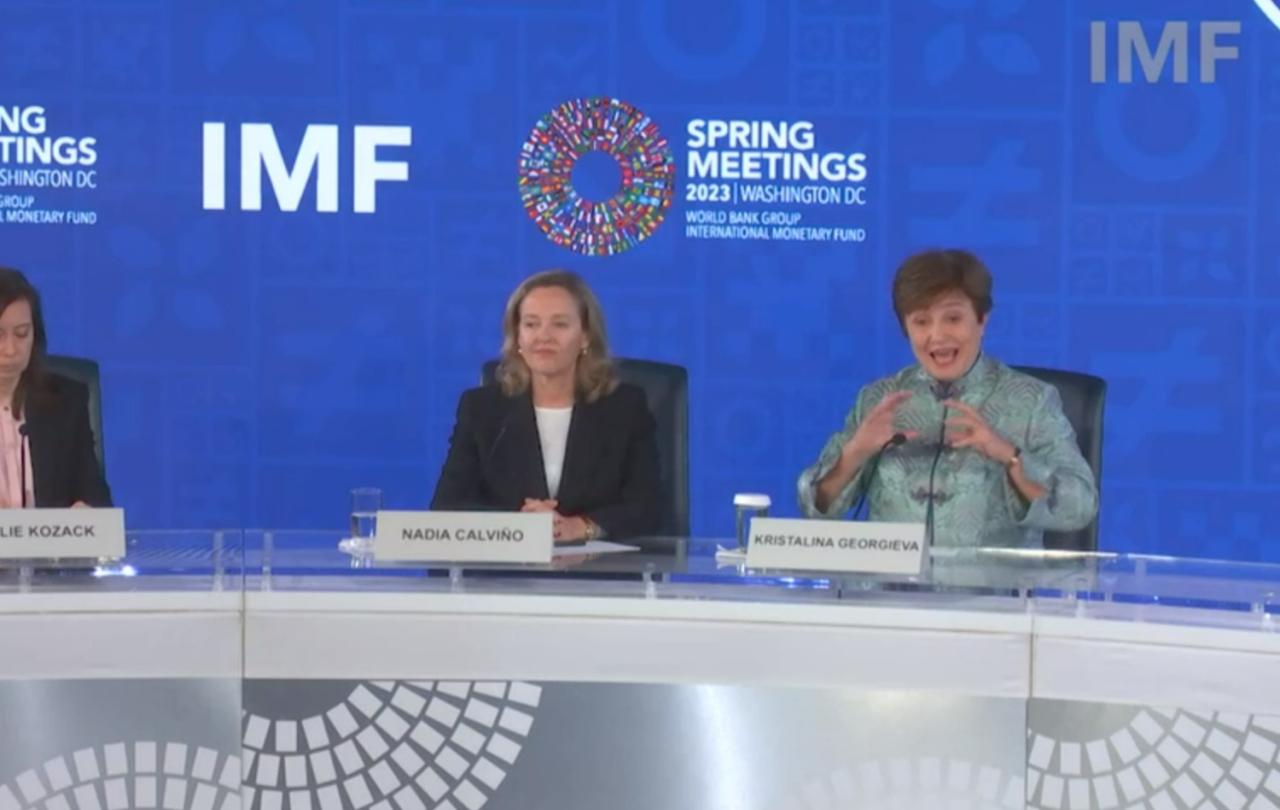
658	679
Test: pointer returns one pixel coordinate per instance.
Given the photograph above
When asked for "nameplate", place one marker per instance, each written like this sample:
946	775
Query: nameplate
61	533
836	545
471	537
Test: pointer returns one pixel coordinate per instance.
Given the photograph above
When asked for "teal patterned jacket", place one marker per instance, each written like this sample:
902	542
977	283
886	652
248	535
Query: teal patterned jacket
975	503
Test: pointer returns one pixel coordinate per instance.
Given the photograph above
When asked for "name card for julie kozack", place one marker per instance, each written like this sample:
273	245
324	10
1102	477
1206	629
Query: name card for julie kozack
474	537
836	545
61	533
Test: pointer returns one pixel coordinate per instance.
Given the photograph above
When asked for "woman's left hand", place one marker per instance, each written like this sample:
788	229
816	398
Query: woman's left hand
568	529
535	505
976	433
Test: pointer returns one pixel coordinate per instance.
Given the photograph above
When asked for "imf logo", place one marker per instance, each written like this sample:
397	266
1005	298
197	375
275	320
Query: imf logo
1175	37
317	157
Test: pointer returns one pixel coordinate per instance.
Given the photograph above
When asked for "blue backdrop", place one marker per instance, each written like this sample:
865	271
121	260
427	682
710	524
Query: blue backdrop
259	364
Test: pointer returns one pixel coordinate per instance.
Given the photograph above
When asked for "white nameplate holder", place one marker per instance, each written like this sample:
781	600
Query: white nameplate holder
45	534
837	545
464	537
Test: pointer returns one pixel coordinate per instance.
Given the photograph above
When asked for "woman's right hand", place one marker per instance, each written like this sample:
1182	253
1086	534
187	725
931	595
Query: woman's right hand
535	505
874	431
877	429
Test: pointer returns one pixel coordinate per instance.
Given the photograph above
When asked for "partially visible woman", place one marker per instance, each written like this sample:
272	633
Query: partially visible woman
987	446
558	433
46	442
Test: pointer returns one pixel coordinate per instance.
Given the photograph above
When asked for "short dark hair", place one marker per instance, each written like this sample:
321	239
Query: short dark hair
15	287
926	276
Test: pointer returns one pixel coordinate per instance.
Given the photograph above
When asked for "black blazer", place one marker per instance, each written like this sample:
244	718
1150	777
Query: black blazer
64	468
610	469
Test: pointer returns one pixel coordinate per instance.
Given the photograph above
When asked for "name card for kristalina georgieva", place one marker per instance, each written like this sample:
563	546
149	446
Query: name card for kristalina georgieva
61	533
455	537
836	545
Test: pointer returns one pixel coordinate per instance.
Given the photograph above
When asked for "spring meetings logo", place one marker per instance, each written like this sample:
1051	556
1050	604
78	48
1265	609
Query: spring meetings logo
598	176
597	222
42	167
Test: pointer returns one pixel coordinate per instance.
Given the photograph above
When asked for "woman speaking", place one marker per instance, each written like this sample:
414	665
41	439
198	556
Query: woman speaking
980	453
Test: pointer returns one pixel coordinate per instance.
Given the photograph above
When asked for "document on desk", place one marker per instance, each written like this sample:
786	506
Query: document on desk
592	547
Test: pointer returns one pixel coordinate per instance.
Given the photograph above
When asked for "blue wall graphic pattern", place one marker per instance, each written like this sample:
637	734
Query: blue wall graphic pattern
260	364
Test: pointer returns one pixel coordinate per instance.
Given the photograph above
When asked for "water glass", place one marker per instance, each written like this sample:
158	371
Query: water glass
365	503
747	505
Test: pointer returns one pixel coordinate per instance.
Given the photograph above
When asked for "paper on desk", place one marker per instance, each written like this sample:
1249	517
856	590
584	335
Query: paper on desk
592	547
730	556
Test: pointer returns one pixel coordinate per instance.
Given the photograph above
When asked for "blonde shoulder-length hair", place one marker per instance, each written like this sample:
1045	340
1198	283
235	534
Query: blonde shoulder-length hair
594	374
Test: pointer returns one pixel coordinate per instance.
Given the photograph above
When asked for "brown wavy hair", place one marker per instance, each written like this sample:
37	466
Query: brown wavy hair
15	287
594	373
925	277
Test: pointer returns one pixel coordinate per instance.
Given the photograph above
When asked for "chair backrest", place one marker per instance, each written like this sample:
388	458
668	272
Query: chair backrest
84	371
666	386
1083	400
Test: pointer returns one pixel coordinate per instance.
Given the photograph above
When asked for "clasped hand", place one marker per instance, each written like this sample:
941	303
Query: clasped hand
563	529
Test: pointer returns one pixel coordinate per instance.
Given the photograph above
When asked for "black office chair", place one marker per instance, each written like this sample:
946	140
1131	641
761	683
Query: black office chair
84	371
666	386
1083	398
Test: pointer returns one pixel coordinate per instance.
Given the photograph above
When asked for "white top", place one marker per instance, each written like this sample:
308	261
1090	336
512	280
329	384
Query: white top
553	435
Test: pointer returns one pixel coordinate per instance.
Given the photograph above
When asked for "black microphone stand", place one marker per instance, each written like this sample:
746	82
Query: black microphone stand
896	440
942	391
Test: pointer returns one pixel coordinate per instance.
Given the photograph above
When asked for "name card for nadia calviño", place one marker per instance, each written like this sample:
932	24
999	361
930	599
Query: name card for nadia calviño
836	545
457	537
61	533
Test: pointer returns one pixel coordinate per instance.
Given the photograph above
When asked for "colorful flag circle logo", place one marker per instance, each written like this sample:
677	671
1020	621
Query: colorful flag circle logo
560	139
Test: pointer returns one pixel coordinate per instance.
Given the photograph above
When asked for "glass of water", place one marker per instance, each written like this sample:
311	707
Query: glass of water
747	505
365	503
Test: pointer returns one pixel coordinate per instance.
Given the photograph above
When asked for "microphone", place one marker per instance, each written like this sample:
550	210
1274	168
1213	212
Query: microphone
896	440
22	461
942	391
502	431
